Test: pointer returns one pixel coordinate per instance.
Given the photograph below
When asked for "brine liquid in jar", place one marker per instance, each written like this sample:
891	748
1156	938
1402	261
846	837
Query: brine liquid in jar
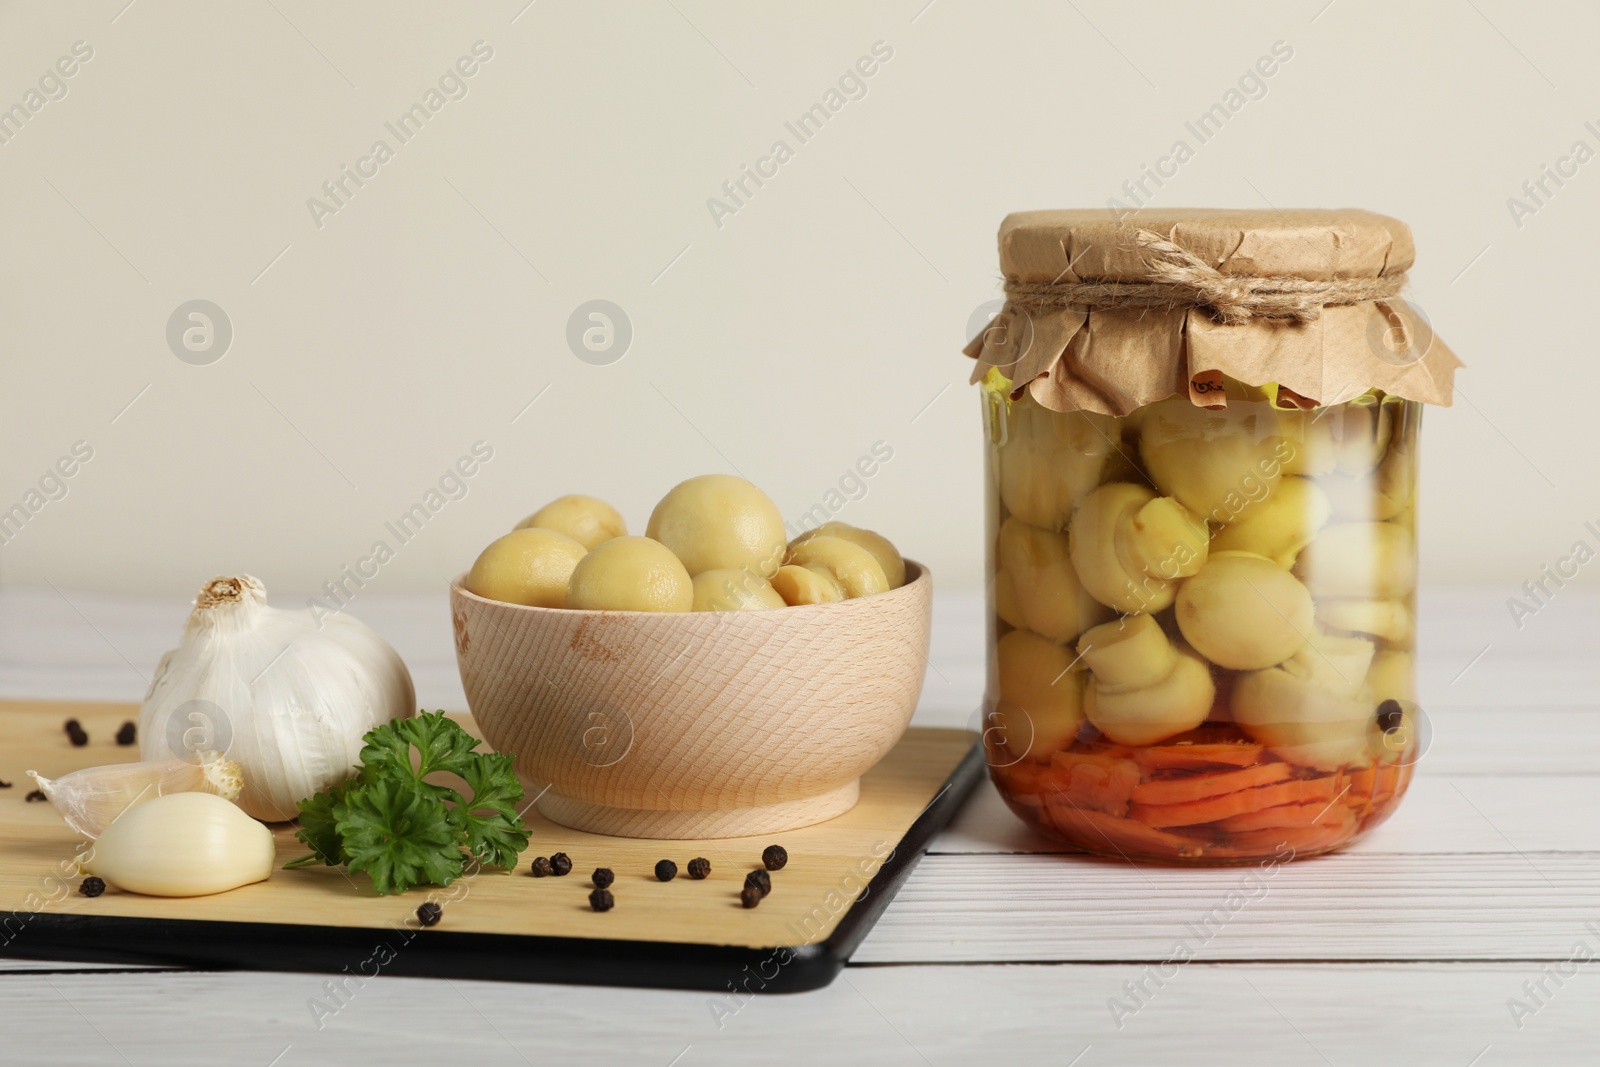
1201	648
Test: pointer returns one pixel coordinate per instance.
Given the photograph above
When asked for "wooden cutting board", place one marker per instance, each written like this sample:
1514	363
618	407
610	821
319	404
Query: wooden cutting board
681	934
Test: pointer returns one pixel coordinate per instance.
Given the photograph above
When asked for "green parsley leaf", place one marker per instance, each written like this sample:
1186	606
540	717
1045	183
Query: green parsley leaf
440	742
319	829
404	831
400	835
498	837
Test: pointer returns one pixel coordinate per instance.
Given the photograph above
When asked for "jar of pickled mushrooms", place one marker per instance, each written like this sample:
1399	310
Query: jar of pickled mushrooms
1201	482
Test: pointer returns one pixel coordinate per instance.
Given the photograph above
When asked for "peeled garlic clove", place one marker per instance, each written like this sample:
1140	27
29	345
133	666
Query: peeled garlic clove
1244	612
92	798
1044	592
182	845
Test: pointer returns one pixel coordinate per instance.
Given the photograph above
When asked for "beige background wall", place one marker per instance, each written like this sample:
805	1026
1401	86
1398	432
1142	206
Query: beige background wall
374	345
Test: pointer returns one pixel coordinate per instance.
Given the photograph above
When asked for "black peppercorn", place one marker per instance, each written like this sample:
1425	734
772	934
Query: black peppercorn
5	785
666	870
429	914
750	896
541	866
601	900
560	865
1390	715
699	867
761	880
602	877
128	734
72	726
775	857
92	886
35	796
76	734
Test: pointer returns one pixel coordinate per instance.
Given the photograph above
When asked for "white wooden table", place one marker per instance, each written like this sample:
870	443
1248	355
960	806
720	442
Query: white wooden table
1413	947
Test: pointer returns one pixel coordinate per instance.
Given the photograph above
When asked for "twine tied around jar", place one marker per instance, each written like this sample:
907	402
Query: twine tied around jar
1179	278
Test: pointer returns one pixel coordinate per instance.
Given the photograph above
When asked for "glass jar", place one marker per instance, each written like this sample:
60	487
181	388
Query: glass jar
1201	646
1202	611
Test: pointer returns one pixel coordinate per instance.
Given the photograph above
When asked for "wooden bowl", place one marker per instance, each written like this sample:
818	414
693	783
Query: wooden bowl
695	724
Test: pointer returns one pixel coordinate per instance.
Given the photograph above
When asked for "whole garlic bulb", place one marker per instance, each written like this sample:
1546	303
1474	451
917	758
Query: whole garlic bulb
284	693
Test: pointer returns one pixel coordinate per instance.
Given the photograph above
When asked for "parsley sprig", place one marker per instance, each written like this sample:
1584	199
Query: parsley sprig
404	831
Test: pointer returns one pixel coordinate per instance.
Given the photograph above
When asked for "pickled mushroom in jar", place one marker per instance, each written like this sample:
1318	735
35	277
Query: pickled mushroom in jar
1050	459
1371	560
1213	462
1392	677
1279	525
1391	620
1004	597
1301	721
1380	497
1131	547
1244	612
1336	662
1042	587
1041	695
1142	688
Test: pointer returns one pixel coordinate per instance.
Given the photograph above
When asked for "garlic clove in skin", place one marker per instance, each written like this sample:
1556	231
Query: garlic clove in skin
287	693
182	845
91	799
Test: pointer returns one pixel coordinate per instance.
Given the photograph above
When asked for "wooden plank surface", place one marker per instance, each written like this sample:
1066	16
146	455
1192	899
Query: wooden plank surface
1503	800
829	864
977	908
1350	1015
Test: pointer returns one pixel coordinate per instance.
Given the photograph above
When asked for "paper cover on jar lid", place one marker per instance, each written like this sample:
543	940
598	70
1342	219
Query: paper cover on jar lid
1108	313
